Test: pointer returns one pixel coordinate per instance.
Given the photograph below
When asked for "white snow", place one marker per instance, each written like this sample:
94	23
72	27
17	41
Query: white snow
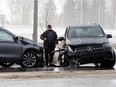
27	31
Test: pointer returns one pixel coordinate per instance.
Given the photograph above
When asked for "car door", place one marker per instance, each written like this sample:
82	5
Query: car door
9	47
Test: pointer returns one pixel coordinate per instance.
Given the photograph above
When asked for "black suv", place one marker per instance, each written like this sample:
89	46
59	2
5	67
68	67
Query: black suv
16	49
87	44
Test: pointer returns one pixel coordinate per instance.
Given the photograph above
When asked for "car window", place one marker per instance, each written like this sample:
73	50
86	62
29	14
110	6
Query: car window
95	31
4	36
92	31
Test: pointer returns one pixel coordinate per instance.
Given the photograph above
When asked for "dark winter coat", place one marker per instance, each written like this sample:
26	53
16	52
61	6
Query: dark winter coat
51	39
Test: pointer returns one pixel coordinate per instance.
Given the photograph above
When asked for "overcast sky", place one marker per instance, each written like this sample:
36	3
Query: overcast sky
4	7
59	3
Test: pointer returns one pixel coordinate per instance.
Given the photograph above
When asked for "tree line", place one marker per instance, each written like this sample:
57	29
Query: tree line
74	12
102	12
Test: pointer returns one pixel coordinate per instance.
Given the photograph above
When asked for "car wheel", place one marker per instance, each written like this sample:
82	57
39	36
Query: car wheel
66	62
6	64
29	60
109	63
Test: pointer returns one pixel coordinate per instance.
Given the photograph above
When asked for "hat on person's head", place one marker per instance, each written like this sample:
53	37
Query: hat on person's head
49	26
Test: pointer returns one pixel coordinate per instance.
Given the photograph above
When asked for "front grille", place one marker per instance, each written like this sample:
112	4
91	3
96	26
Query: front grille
87	49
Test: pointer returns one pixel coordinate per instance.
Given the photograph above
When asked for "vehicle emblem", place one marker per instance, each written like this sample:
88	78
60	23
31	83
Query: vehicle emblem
89	49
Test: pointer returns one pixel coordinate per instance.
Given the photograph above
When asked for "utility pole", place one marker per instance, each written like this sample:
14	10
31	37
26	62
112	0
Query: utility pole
81	11
35	24
2	18
115	14
62	19
99	11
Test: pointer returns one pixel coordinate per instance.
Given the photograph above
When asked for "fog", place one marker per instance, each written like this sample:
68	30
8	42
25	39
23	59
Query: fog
17	15
59	13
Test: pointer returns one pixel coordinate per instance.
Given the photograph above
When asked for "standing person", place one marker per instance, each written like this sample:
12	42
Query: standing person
50	39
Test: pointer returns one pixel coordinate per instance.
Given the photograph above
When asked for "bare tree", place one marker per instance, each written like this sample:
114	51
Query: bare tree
21	11
11	6
15	10
27	12
47	13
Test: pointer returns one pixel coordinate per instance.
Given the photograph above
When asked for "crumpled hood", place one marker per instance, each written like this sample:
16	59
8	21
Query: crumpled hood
87	40
28	41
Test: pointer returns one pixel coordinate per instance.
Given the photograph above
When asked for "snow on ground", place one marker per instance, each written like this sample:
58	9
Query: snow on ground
27	31
113	32
110	31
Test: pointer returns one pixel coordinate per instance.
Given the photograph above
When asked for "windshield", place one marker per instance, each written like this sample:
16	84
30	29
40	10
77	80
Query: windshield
92	31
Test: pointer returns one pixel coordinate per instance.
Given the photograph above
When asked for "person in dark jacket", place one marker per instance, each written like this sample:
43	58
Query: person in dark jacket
50	40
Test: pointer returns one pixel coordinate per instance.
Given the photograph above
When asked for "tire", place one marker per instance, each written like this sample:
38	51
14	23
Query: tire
6	64
108	63
29	60
64	61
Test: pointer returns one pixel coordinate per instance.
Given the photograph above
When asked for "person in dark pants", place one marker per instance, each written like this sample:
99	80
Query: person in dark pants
50	40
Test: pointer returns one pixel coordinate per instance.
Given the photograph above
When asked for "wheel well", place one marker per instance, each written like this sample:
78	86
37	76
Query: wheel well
36	51
114	55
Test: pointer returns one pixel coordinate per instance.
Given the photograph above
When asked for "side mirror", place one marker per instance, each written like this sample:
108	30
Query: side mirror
60	38
19	38
109	36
